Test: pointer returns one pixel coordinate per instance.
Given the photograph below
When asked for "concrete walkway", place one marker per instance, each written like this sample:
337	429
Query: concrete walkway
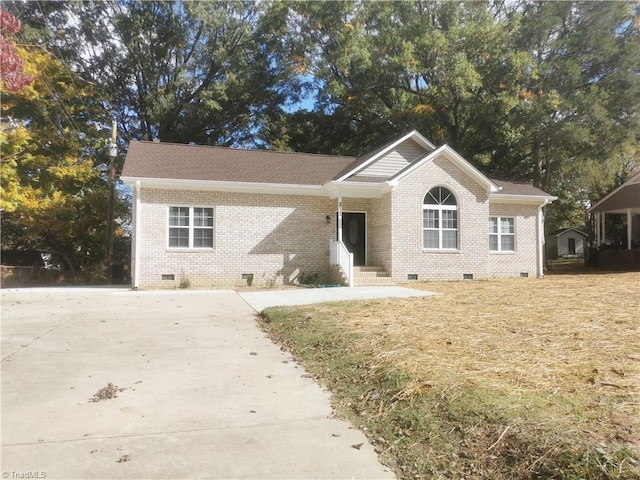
304	296
202	393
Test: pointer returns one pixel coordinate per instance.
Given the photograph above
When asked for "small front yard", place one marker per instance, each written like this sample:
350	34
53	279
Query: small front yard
501	379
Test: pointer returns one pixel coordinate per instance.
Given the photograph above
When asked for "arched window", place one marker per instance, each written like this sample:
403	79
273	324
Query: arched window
440	219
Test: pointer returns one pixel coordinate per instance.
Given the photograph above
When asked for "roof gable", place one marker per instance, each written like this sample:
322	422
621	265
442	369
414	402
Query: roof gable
562	231
451	155
390	158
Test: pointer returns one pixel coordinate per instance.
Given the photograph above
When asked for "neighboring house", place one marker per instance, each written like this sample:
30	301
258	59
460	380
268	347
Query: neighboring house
623	201
615	251
408	210
566	243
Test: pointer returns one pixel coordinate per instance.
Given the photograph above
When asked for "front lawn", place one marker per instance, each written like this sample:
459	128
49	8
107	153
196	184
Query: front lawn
511	378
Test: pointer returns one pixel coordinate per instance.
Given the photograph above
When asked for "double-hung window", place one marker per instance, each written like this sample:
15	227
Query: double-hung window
502	234
440	220
190	227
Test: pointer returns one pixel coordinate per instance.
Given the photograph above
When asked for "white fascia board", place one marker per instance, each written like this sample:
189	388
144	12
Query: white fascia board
521	199
458	160
356	189
420	139
414	135
218	186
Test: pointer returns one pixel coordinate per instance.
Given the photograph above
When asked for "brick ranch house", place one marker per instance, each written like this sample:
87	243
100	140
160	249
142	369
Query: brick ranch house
406	211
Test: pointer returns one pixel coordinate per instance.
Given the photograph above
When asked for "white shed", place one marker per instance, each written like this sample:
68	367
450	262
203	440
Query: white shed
566	243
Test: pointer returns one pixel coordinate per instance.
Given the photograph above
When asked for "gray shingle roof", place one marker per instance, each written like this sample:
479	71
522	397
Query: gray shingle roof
512	188
195	162
224	164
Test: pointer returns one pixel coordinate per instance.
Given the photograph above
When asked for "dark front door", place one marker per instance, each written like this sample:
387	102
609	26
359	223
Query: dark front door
572	246
353	236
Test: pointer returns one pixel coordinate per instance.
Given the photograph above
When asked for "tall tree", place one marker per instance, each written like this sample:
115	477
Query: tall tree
579	121
53	190
175	71
391	66
546	92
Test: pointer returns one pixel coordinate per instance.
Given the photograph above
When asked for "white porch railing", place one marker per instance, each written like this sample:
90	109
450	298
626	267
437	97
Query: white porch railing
340	256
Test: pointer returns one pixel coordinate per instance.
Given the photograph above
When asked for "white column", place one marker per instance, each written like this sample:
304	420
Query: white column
628	229
540	242
603	225
597	218
340	217
138	238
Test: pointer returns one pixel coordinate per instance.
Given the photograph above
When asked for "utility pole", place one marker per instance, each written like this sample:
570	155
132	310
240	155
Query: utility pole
113	151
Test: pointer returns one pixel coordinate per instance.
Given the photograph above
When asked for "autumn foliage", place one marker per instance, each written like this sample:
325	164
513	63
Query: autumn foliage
12	74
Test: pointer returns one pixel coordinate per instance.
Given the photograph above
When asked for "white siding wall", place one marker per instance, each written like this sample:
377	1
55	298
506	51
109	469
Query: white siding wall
395	160
563	244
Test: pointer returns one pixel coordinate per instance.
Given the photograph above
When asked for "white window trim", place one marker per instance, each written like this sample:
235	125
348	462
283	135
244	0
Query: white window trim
191	227
440	208
500	235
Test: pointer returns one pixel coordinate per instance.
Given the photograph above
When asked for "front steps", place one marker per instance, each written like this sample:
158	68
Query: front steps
368	276
371	276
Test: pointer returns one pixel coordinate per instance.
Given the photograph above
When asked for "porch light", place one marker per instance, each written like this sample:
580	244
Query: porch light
328	219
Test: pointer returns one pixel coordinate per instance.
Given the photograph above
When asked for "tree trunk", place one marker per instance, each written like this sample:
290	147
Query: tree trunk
537	162
60	251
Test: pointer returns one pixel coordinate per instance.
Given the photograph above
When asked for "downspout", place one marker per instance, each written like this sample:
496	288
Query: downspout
541	240
339	217
136	232
628	229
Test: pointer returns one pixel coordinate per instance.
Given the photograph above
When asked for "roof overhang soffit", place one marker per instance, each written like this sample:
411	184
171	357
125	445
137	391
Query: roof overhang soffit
336	188
625	196
538	200
237	187
332	189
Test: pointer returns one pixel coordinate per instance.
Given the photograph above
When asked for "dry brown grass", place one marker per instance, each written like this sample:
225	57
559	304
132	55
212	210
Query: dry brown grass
561	333
539	361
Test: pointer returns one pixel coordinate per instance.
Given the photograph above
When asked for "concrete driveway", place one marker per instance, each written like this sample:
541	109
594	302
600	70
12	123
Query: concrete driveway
202	393
305	296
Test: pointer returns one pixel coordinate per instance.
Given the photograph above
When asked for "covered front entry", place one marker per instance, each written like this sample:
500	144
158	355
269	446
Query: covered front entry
354	236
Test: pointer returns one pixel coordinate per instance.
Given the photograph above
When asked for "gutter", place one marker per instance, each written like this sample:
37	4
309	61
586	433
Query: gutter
540	239
532	199
137	236
212	185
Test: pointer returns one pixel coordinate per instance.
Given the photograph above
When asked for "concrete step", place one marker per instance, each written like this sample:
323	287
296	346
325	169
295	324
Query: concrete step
374	282
371	275
369	268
